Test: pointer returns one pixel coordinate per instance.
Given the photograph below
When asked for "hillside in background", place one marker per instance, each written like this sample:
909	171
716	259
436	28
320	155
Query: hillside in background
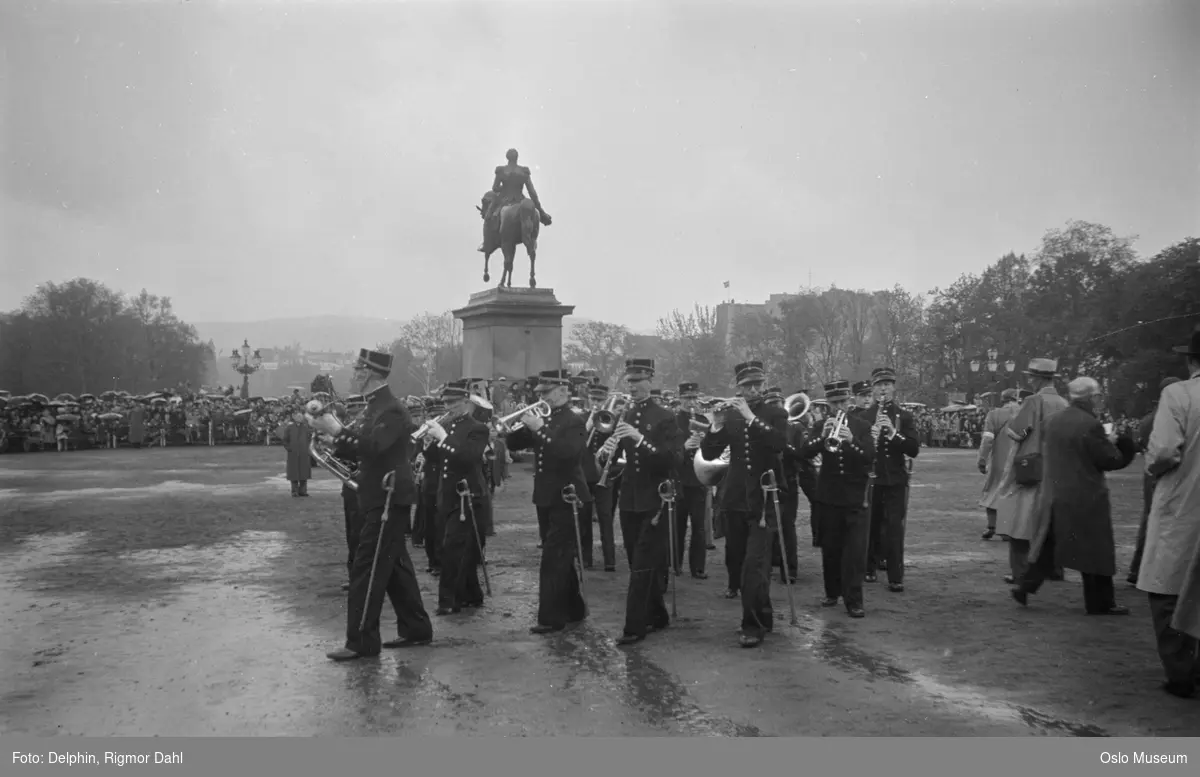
315	333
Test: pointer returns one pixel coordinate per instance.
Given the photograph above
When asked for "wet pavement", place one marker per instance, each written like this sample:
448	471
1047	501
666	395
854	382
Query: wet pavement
143	614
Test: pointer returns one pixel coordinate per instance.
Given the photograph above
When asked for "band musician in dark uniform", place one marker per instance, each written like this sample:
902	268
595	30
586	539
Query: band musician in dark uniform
349	495
842	493
649	436
692	497
382	444
461	443
603	496
894	431
557	442
756	434
797	471
431	478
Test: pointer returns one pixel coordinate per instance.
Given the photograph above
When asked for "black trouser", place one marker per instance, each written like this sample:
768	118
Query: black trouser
1147	499
353	525
1098	593
814	521
646	545
843	552
737	531
1179	652
434	530
888	524
559	598
689	511
418	523
459	582
394	577
790	504
602	505
754	571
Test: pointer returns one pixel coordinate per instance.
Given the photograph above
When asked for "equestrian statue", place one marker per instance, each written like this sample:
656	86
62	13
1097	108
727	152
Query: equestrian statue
510	218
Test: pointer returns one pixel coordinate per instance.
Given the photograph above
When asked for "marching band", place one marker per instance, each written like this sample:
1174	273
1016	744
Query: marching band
671	470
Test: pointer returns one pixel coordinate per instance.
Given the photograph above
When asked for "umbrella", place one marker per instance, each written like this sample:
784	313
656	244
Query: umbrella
176	400
242	412
87	397
158	401
56	403
271	400
110	416
3	401
40	399
64	397
67	417
5	394
108	395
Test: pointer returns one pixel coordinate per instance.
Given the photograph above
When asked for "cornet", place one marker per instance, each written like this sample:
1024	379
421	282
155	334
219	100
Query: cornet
509	424
424	428
833	442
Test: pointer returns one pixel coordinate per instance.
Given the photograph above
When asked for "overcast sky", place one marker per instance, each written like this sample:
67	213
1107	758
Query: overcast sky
280	159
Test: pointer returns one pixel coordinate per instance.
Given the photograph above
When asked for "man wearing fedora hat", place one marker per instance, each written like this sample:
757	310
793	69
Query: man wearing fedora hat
841	491
1170	564
653	446
1021	484
381	563
461	442
558	442
756	435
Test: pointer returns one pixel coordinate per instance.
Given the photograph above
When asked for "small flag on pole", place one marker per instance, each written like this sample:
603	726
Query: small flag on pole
727	284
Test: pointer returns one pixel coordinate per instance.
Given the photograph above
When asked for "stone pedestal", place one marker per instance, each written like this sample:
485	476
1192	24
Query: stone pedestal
512	333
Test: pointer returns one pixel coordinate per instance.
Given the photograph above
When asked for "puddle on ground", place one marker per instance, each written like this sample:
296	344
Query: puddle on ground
165	488
944	559
829	645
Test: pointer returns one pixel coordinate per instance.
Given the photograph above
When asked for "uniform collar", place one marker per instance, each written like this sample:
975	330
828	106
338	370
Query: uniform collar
383	392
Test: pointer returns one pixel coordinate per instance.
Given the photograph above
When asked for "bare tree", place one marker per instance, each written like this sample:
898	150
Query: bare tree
432	339
897	321
599	345
858	311
830	328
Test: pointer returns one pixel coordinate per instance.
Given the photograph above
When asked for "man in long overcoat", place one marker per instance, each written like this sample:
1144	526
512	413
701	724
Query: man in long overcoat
1072	527
1017	506
137	426
296	437
994	449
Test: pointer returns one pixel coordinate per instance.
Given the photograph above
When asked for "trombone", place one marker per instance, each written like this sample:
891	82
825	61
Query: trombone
833	442
506	425
604	420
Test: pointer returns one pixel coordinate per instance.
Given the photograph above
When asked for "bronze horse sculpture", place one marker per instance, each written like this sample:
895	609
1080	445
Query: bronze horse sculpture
515	224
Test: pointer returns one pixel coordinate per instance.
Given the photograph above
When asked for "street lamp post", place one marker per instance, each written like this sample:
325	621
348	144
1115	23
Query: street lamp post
246	363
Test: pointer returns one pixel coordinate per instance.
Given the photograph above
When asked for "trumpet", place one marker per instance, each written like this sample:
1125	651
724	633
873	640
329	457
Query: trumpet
508	424
604	416
833	442
424	428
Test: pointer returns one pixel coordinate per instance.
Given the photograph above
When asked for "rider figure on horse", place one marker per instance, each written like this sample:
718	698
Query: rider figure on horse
511	182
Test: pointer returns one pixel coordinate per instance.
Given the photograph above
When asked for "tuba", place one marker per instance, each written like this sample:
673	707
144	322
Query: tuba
326	426
710	473
797	406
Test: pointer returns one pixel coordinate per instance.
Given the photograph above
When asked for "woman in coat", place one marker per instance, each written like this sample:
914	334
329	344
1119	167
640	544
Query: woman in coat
296	437
994	448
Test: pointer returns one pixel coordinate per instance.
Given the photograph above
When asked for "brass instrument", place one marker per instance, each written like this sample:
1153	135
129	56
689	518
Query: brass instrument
326	425
797	406
604	415
507	424
424	428
710	473
833	442
700	423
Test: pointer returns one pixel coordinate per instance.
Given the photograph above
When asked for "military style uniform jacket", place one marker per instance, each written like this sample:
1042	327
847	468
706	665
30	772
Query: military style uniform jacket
649	463
462	458
431	469
890	466
842	480
754	448
557	456
799	474
382	444
687	466
591	468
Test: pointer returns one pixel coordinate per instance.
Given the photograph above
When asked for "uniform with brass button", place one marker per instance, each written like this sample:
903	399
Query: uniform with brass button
381	562
349	494
602	495
896	444
416	409
756	434
861	405
461	441
789	493
653	446
846	462
557	442
431	478
692	501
